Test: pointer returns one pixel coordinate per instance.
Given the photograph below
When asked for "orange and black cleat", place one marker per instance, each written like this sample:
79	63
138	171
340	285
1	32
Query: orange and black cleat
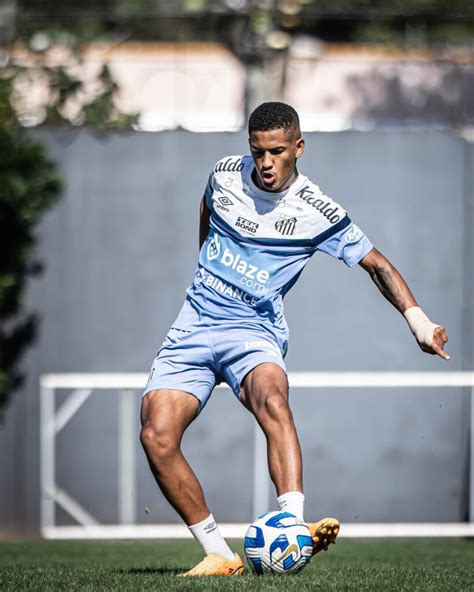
323	533
215	564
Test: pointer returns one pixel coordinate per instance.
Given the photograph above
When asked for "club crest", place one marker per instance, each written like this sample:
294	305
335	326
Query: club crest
286	225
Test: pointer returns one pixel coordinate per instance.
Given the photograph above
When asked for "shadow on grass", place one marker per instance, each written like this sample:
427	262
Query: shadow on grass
151	570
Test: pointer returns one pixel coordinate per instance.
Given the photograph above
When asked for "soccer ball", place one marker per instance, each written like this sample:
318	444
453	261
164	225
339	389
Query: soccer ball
277	543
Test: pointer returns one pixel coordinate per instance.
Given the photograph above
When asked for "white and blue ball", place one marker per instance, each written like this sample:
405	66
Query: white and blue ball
277	543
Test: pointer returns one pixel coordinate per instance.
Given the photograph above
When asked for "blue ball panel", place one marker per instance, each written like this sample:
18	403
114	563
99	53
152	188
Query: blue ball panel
276	521
257	541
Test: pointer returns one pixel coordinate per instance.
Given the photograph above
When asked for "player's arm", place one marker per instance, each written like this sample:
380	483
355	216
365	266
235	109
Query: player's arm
431	337
204	215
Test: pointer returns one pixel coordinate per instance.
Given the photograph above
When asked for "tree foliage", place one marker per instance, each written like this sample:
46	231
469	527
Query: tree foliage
232	21
29	185
71	94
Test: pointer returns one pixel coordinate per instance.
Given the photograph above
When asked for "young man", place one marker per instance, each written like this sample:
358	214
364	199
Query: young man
261	221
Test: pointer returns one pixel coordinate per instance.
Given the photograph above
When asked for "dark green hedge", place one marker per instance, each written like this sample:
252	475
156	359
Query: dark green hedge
29	186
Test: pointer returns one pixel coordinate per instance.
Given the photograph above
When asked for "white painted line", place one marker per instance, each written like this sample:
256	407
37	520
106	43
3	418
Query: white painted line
296	379
237	531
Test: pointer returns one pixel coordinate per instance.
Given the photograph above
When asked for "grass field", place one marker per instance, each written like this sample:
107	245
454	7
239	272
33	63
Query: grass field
398	565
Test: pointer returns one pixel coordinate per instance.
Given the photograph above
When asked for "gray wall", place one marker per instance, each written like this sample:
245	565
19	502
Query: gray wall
121	248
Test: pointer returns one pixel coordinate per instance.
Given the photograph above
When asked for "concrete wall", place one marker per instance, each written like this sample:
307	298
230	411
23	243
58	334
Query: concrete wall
121	248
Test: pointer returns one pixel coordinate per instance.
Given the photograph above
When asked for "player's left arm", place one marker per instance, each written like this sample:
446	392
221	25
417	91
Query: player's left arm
430	337
204	217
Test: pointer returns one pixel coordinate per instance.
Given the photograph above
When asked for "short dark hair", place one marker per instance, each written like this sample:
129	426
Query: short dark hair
274	115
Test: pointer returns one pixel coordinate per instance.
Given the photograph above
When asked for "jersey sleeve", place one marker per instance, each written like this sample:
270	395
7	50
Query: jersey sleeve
209	191
349	244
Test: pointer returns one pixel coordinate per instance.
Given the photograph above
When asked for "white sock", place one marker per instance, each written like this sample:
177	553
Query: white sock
292	502
209	537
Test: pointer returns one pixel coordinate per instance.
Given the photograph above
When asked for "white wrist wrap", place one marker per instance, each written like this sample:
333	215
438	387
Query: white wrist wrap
420	325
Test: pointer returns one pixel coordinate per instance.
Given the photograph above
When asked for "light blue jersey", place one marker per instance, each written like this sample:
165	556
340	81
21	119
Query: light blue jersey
257	246
259	242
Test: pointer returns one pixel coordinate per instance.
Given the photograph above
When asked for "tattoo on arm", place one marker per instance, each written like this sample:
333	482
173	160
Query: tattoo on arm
392	286
388	280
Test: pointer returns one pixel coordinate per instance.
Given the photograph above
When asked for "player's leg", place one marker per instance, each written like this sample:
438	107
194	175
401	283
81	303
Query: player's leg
165	415
265	394
252	364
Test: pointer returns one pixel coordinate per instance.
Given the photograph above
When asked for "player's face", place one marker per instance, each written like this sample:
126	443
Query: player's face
275	153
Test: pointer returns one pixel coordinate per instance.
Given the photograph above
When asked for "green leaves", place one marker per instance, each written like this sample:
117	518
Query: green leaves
29	183
50	83
29	186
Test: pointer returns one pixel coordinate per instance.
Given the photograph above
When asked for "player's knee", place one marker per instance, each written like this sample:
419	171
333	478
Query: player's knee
158	440
275	407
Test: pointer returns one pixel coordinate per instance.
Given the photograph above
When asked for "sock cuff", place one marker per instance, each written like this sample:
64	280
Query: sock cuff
209	537
293	494
203	523
292	502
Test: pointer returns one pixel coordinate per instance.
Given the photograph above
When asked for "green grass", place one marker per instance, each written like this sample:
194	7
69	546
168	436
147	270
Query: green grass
398	565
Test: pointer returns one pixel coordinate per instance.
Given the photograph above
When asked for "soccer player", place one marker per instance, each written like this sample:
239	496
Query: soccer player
260	222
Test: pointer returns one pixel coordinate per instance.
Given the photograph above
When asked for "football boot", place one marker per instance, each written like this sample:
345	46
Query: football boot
323	533
216	564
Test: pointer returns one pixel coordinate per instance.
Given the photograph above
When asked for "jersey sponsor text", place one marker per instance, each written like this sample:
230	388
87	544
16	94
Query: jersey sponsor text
252	277
224	288
247	225
229	166
319	204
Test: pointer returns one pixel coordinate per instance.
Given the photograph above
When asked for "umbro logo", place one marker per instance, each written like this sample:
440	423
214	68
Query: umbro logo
211	527
225	201
286	226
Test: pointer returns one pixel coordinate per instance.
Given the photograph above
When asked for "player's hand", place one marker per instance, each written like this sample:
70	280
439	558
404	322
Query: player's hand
440	338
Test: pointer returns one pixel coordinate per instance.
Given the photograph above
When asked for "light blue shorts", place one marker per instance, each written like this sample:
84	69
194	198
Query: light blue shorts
192	359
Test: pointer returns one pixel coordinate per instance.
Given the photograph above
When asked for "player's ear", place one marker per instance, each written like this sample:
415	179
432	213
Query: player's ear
299	147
